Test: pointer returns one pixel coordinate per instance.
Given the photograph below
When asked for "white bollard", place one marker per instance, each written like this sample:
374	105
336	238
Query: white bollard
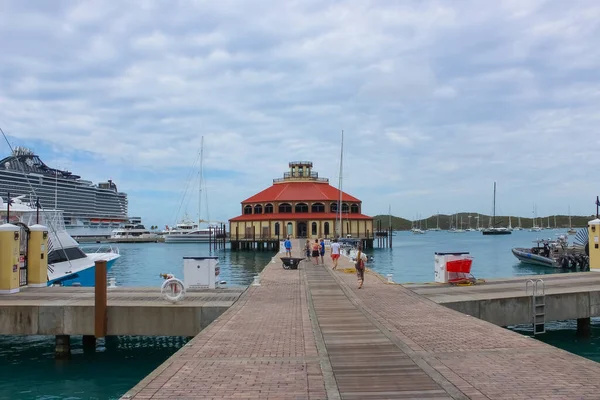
256	281
389	278
112	283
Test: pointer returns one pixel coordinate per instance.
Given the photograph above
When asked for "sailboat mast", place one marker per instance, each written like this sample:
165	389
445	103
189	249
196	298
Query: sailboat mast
494	209
339	206
200	182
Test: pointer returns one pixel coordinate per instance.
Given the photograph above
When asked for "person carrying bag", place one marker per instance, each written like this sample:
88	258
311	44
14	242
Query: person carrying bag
360	266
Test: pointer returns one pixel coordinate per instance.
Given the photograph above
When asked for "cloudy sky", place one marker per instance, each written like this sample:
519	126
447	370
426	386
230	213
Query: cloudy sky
437	99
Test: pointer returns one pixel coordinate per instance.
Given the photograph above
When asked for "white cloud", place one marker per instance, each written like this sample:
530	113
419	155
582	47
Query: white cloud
436	99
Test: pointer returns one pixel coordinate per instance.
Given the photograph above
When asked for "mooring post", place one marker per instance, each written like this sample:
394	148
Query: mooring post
62	347
100	299
584	327
89	342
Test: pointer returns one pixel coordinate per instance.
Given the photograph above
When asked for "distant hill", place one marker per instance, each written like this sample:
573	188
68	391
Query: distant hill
401	224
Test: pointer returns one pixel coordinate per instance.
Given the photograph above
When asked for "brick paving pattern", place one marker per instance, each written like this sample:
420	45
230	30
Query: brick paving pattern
484	361
310	334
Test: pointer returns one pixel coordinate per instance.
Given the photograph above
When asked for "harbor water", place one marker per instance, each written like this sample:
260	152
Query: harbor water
29	370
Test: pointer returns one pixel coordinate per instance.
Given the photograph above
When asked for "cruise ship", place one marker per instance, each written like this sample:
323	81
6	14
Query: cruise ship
88	209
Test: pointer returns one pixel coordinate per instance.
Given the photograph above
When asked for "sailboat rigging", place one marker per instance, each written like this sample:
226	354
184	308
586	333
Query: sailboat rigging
339	228
493	230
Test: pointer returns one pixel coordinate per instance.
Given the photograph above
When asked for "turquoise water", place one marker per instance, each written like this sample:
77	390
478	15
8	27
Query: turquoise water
29	370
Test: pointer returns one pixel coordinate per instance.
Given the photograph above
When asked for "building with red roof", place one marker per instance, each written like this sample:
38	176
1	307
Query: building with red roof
300	205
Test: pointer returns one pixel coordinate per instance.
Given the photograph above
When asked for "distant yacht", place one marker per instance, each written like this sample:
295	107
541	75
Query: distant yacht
133	231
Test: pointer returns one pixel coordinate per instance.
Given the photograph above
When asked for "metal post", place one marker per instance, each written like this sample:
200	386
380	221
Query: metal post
100	299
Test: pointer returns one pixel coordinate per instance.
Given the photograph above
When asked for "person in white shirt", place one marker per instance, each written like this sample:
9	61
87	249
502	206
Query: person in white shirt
335	252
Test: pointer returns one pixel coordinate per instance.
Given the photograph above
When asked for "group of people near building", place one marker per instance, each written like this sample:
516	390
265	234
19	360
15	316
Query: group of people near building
316	250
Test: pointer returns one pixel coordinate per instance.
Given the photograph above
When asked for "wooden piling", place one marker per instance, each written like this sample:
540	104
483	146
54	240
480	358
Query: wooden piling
100	299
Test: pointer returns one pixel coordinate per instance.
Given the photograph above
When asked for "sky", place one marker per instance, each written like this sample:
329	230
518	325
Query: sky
437	100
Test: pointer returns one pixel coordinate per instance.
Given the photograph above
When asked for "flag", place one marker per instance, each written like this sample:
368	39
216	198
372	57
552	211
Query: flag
597	201
37	203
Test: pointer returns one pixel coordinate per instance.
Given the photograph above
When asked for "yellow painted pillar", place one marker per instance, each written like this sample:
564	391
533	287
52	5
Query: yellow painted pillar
594	244
37	256
9	258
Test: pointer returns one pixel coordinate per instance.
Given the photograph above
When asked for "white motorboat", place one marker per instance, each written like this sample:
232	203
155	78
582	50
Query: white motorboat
68	264
133	232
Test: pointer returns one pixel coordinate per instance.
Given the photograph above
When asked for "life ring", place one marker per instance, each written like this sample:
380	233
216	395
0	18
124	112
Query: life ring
173	290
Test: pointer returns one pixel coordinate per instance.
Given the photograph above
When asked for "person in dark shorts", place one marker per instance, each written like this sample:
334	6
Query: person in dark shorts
322	250
315	252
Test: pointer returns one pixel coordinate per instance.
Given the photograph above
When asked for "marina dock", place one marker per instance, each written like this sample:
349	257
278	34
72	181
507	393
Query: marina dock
506	301
311	334
130	311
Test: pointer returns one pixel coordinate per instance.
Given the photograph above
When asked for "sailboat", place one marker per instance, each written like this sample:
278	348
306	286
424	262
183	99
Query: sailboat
518	228
187	231
493	230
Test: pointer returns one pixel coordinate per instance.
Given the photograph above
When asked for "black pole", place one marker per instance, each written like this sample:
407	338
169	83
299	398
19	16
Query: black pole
597	206
37	211
8	209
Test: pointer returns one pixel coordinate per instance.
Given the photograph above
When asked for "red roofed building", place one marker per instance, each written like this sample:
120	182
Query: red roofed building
300	205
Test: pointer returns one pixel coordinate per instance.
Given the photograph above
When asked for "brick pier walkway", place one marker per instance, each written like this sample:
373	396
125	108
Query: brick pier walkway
310	334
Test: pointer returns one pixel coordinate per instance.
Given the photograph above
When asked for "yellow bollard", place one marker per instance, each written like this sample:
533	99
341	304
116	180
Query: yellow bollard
594	248
9	258
37	256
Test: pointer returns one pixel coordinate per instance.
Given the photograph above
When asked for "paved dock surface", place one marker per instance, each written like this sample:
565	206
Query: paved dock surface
311	334
130	311
574	282
145	296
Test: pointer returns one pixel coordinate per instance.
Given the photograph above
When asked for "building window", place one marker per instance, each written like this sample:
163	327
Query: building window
285	208
269	208
248	210
345	207
318	207
301	208
314	228
354	209
258	209
326	228
333	207
276	227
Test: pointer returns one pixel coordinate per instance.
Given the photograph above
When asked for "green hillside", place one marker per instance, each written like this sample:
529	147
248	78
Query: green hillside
562	221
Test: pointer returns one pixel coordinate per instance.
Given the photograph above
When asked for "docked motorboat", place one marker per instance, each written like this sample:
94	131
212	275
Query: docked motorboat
554	254
133	232
68	264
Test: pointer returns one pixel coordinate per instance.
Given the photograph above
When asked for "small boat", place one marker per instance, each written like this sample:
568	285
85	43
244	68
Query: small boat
553	254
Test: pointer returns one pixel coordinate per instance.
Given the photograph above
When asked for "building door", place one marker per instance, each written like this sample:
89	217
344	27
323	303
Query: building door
265	232
290	229
301	229
23	245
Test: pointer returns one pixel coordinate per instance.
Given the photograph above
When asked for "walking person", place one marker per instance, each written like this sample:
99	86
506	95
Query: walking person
315	252
288	247
322	250
361	259
335	252
307	249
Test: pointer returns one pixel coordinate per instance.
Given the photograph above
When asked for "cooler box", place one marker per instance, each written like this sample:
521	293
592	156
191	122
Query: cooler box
200	272
449	265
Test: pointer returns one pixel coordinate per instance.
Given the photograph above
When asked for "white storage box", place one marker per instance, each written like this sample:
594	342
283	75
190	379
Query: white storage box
200	272
440	260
